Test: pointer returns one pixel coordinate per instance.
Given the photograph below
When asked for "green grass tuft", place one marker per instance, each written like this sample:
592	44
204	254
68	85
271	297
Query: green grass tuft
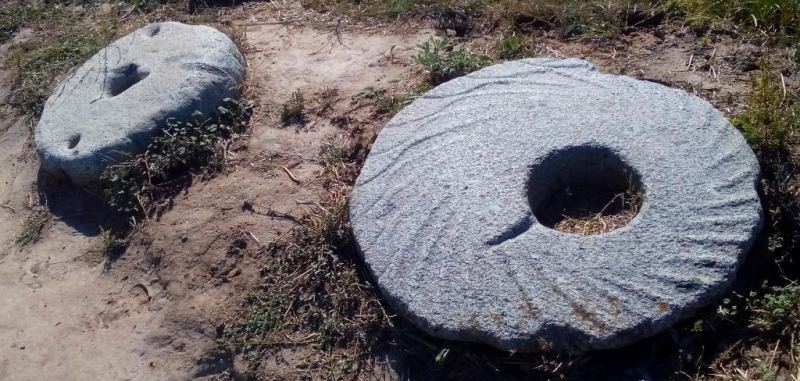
512	47
294	110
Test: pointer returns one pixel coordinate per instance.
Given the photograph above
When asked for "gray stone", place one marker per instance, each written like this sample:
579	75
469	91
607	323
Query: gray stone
442	210
115	103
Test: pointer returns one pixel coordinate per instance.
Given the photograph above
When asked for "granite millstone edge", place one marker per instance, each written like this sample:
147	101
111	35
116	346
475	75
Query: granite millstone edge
116	102
447	176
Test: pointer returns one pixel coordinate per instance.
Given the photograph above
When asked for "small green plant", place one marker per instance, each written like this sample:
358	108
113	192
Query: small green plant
778	309
444	61
32	227
265	316
134	185
512	47
110	243
330	331
294	110
333	153
441	357
343	367
772	115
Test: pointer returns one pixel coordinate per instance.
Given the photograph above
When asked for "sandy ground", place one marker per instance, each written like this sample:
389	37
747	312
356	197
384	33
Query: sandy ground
68	313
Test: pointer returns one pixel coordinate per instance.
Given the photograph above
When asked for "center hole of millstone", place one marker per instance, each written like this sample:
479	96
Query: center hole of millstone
584	190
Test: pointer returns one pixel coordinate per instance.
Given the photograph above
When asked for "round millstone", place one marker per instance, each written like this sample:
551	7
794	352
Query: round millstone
445	209
115	103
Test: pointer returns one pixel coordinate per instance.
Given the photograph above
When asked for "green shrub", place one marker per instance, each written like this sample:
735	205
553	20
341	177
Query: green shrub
132	186
443	61
778	309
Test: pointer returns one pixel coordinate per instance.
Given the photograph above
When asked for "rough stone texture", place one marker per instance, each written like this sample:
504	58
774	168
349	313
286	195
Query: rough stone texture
442	211
120	98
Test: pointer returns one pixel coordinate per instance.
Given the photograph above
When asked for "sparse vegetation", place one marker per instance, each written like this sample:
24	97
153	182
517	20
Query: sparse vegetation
391	103
575	17
780	17
772	117
568	18
266	316
444	61
135	186
32	227
313	294
294	110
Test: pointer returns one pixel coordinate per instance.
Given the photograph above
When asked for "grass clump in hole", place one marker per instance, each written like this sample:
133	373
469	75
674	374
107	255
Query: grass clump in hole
137	184
773	114
294	110
444	61
590	212
584	190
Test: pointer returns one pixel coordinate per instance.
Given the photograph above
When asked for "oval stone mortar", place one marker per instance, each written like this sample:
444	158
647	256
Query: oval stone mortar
114	104
444	210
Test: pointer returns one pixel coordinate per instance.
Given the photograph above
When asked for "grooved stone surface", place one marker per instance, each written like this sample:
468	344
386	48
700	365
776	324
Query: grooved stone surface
121	97
442	215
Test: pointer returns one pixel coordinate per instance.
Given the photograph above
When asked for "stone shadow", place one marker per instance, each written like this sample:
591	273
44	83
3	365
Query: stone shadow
83	209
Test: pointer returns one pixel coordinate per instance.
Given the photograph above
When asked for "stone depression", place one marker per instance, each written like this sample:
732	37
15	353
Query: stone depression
115	103
447	209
